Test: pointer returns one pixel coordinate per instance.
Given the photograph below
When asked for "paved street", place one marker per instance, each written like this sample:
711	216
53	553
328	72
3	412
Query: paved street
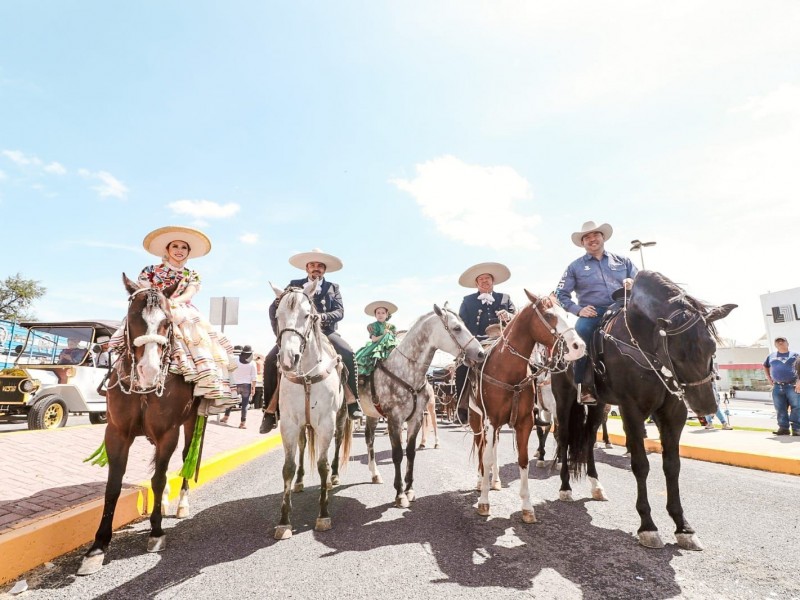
441	548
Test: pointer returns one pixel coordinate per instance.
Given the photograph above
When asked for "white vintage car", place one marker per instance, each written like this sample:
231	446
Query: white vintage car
57	371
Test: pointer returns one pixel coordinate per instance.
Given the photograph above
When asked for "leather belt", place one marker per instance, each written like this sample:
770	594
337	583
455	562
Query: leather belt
785	382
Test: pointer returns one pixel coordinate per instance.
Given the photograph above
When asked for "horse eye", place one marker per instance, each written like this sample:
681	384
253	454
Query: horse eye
457	328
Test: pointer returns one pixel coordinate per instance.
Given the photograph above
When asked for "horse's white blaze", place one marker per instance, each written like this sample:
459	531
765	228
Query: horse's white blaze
576	347
149	365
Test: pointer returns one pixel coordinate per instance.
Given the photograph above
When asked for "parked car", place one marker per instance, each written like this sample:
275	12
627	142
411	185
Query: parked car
55	373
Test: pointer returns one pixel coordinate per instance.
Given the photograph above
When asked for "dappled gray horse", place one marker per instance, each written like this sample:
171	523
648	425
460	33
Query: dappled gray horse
396	389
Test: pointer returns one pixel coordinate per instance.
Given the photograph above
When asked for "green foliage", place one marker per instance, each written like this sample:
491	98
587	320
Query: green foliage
16	296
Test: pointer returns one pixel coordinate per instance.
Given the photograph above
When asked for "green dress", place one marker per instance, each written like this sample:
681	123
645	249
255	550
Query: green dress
367	356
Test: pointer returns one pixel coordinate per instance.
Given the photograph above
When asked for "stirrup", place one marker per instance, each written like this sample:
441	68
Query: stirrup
354	411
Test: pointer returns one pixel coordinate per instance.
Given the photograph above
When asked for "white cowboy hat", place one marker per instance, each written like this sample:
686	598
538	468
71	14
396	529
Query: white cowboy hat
373	306
590	227
499	272
316	255
156	242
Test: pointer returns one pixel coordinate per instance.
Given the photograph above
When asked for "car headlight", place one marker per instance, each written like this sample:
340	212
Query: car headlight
26	386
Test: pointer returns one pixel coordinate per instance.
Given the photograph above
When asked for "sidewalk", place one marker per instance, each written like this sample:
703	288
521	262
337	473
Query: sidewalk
51	501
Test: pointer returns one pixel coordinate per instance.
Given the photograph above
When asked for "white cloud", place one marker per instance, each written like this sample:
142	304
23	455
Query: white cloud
249	238
56	168
109	187
204	209
21	159
460	198
784	101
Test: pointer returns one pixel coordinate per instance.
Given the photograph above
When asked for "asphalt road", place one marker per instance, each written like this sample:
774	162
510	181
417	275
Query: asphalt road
440	548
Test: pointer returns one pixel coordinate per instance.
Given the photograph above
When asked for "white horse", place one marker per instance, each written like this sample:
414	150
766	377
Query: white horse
311	399
397	388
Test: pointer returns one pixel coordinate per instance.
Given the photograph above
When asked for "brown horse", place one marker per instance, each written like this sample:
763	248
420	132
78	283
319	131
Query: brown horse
501	390
144	398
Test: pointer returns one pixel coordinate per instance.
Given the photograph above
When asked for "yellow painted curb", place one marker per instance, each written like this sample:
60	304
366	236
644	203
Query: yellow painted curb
763	462
35	543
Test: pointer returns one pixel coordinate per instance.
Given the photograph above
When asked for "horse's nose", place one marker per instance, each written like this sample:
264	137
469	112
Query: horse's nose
576	346
146	374
481	355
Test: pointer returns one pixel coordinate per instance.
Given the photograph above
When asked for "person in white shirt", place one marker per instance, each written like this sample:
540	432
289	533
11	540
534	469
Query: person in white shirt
244	377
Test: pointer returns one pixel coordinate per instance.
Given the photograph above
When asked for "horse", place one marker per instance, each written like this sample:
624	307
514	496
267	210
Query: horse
656	360
144	398
502	391
397	389
311	401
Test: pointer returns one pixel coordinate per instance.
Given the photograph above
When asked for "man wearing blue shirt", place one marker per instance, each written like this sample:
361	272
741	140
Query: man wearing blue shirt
593	278
781	375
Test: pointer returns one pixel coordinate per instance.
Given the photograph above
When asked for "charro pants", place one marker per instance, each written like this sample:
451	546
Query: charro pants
585	327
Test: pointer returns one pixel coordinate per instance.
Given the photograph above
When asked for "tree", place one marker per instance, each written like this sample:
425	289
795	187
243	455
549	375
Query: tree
16	296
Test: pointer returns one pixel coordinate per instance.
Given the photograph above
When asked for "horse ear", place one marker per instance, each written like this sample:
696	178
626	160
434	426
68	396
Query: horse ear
169	291
437	310
278	291
720	312
531	297
130	286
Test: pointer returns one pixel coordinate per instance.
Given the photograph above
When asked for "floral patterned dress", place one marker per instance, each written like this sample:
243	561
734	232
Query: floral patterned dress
369	355
203	356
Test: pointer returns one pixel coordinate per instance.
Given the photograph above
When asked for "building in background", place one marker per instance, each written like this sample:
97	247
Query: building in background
782	316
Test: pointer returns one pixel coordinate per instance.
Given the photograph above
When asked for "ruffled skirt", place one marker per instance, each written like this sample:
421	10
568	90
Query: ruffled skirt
370	354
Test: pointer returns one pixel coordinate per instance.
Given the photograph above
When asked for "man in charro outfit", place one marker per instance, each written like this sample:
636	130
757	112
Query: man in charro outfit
328	303
480	310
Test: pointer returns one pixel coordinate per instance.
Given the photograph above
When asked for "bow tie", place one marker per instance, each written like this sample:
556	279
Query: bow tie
486	298
319	287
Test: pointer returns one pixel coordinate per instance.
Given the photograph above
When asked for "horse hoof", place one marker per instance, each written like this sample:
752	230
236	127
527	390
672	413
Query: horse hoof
298	487
377	479
689	541
599	494
156	544
329	485
411	495
540	463
436	445
609	446
335	480
164	508
496	485
283	532
483	510
528	516
650	539
401	502
565	495
421	446
323	524
536	454
91	564
182	513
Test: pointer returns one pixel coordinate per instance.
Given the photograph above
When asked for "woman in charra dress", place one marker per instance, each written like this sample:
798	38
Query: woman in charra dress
203	356
381	335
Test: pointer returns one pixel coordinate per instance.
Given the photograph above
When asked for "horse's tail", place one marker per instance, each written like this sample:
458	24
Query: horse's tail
347	445
579	442
312	446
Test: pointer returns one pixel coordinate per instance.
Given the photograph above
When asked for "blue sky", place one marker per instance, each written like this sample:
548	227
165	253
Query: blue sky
410	139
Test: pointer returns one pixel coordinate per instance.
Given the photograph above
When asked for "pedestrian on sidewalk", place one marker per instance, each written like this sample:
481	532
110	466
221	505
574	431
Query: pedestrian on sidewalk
244	377
780	370
720	415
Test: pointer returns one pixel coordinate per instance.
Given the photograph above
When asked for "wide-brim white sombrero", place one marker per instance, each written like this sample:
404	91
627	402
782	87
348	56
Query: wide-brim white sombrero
156	242
590	227
498	271
316	255
373	306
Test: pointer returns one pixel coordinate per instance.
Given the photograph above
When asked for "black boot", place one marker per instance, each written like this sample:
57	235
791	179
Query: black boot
354	411
268	423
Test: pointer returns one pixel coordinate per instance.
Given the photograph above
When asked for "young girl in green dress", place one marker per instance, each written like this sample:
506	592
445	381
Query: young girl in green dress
381	335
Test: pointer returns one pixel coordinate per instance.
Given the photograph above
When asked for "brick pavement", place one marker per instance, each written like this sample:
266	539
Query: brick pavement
42	473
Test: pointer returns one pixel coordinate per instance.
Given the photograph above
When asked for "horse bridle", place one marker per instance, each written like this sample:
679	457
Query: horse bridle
667	373
165	341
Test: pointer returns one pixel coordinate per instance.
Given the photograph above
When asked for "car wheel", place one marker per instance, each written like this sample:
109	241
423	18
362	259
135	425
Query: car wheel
49	412
98	418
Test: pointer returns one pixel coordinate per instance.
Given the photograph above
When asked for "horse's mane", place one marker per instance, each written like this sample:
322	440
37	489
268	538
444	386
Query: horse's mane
428	314
676	294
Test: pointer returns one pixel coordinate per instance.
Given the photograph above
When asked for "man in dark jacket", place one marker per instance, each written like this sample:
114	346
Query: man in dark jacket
481	309
328	303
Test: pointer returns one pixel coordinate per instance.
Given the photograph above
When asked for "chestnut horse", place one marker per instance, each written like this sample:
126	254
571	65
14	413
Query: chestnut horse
502	391
144	398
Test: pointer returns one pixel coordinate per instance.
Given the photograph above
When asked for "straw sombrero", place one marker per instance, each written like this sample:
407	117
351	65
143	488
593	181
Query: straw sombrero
316	255
590	227
373	306
156	241
498	271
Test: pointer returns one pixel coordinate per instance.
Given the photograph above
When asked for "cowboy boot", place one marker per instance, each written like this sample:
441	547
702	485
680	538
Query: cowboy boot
354	411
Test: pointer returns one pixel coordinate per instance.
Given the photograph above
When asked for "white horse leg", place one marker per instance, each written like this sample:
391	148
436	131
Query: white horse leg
528	515
496	485
369	437
488	466
183	505
165	500
598	491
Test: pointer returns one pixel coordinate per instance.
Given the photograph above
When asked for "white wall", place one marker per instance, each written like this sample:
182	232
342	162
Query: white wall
787	303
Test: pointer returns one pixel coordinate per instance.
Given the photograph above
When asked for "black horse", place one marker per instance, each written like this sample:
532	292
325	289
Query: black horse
656	359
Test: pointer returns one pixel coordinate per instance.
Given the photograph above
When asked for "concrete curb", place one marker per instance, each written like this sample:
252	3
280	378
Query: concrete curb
39	541
763	462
